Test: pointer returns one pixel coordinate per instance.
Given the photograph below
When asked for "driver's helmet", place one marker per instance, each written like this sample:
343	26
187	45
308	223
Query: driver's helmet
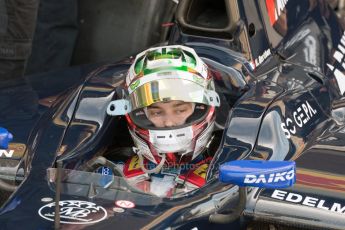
164	74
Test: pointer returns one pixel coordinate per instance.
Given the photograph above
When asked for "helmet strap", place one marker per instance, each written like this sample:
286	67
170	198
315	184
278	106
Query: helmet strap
157	169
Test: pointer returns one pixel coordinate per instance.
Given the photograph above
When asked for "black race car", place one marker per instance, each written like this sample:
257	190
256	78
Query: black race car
280	74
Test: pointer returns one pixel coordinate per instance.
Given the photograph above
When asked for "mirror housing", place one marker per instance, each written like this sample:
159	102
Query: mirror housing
262	174
5	138
254	173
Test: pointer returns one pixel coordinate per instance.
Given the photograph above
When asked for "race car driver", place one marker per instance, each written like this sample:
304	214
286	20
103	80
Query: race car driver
170	112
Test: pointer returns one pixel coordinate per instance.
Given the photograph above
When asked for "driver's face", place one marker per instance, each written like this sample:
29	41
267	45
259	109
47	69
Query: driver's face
168	114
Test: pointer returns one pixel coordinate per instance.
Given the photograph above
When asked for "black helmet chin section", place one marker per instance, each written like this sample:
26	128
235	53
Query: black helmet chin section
140	119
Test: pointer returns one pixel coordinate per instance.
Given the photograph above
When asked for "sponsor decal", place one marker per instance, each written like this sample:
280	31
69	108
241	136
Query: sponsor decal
47	199
258	173
118	210
201	171
195	176
262	57
308	201
134	163
74	212
107	178
5	153
125	204
301	116
105	171
274	9
310	50
269	178
134	85
339	57
132	167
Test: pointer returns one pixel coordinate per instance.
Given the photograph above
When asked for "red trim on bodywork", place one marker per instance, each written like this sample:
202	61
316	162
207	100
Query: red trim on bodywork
325	182
271	9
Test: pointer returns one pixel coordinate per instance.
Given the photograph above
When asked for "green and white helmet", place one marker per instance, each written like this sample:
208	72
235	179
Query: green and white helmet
164	74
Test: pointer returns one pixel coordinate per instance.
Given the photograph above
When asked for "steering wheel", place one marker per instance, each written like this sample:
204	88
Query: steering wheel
93	164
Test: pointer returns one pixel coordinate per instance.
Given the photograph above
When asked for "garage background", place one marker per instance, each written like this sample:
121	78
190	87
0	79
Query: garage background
80	32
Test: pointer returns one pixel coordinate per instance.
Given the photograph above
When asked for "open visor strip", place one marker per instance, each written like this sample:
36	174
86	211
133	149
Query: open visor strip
164	90
172	73
171	89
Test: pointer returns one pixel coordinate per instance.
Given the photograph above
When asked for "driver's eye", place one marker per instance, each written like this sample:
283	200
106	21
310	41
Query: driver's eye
155	113
180	111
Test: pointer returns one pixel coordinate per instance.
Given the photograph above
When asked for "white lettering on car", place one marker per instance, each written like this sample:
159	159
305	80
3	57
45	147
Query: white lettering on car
301	116
275	8
6	153
262	57
307	201
280	7
336	207
310	201
273	177
295	198
339	57
74	212
278	194
310	50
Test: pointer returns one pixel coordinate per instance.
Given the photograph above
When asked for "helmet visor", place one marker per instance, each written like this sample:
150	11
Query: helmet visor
163	90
